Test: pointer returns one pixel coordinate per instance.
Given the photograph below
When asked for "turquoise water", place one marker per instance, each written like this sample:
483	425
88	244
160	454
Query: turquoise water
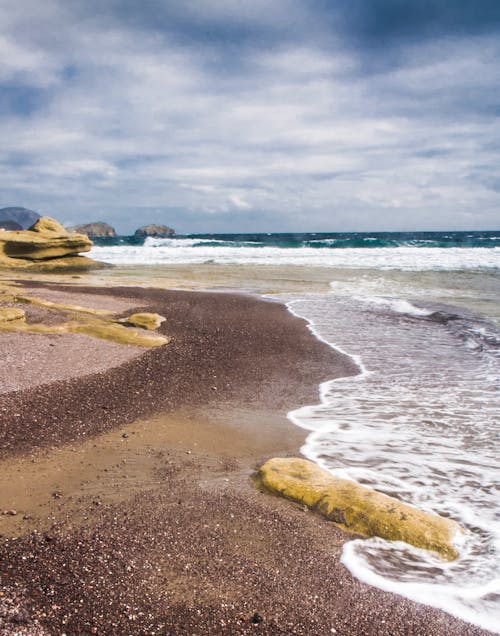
331	240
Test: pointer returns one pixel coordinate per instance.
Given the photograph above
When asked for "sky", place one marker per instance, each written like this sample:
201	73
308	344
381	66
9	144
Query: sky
253	115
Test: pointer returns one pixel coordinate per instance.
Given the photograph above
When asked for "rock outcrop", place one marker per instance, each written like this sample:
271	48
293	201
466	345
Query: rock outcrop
356	508
46	243
96	323
20	215
11	226
156	231
144	320
94	230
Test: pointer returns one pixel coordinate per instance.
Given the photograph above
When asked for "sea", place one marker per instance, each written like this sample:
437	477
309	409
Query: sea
419	313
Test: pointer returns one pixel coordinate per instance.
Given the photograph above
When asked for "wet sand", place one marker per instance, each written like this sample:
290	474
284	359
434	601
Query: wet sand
135	510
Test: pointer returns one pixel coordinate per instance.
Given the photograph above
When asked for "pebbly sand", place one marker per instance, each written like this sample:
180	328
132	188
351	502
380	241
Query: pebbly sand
131	483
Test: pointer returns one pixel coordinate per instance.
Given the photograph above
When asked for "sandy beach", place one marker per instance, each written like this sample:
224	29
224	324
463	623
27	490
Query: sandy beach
125	479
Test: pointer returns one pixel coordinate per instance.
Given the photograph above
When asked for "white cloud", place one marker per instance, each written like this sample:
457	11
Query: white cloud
238	202
145	122
27	64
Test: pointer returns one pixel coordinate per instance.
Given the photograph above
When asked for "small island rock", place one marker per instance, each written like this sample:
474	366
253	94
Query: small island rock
156	231
94	230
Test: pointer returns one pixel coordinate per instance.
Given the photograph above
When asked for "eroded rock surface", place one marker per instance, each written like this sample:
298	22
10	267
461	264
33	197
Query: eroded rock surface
144	320
358	509
46	243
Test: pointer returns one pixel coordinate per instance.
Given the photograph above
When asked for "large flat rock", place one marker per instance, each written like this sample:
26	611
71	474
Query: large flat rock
45	244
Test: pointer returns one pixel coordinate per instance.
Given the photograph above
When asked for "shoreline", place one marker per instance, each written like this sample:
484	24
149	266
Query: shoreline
193	546
224	348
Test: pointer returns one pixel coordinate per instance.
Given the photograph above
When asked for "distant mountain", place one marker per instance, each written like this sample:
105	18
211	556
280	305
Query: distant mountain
10	226
92	230
23	216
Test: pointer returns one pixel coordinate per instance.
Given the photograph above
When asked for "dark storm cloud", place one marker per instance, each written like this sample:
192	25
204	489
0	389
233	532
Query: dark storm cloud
227	113
380	21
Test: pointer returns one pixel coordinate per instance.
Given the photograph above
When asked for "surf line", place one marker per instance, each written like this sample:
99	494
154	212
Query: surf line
324	387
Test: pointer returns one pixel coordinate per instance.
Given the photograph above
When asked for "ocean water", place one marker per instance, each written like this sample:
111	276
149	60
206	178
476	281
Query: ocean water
420	315
440	250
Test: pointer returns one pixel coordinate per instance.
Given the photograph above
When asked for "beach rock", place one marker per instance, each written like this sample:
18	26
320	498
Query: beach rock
20	215
47	224
11	226
356	508
144	320
45	240
108	330
9	314
94	230
157	231
70	263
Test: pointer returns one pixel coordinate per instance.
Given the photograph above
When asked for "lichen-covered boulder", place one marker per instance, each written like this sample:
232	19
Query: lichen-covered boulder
358	509
144	320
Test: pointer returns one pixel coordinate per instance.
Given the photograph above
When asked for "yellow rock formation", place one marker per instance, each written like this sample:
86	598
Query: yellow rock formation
356	508
96	323
144	320
47	245
11	314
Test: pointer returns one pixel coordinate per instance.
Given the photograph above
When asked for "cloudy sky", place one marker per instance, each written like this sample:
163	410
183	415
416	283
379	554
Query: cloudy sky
253	115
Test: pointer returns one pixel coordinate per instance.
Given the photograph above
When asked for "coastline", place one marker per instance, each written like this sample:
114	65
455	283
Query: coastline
195	548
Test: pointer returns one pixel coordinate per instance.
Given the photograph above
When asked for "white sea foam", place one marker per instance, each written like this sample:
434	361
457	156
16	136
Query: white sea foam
420	422
196	251
441	596
398	305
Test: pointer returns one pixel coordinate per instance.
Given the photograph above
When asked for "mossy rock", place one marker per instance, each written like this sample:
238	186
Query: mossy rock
358	509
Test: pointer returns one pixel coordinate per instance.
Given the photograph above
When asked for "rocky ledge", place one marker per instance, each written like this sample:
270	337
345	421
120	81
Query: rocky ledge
45	245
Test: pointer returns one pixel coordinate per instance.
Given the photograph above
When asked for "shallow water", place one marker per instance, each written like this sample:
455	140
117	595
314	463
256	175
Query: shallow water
420	422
